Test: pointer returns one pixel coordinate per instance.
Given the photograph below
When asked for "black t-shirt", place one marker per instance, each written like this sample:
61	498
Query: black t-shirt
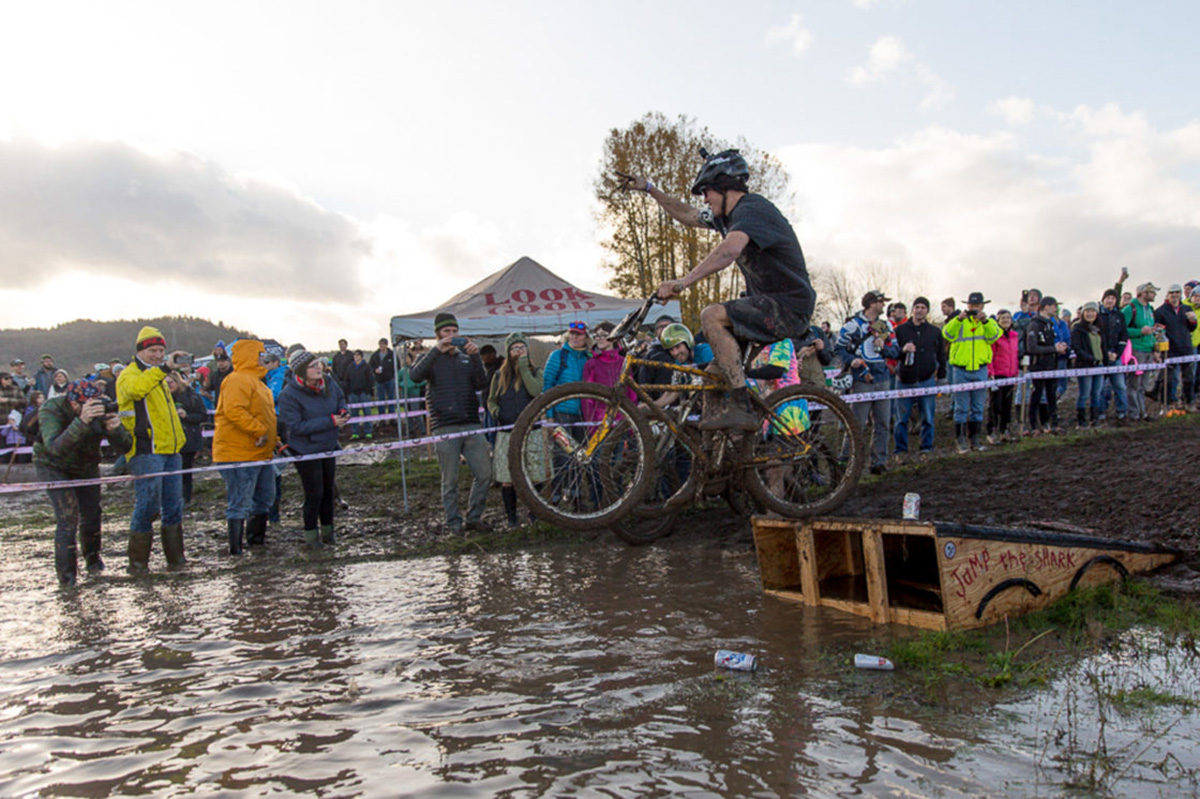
772	263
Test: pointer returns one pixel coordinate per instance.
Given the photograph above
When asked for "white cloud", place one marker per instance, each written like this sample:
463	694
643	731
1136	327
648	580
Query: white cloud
982	212
866	4
113	209
888	55
1014	110
794	32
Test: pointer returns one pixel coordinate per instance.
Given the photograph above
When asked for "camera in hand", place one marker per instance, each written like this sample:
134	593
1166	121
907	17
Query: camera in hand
109	404
459	341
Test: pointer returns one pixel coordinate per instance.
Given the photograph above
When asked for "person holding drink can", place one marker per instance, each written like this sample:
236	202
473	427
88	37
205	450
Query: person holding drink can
454	374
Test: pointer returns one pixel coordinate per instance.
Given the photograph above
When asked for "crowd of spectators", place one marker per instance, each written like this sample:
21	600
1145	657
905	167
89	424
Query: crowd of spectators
260	402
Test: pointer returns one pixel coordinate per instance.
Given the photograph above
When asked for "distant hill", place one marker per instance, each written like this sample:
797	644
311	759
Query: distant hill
77	345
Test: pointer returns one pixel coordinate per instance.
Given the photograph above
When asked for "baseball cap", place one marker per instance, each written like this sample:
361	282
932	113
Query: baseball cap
1147	287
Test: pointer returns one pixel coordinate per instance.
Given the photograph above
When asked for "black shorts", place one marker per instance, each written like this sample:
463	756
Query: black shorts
765	319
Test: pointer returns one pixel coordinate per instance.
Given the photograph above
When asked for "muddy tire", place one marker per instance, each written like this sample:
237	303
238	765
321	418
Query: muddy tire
803	472
558	481
638	531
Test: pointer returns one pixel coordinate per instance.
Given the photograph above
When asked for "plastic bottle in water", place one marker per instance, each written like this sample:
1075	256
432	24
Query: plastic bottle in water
737	661
874	662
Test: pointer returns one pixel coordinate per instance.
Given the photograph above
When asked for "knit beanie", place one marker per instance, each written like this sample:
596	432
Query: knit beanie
83	390
514	338
150	337
922	301
1091	306
299	362
442	320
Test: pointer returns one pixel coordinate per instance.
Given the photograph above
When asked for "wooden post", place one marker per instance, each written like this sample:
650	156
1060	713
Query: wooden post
877	590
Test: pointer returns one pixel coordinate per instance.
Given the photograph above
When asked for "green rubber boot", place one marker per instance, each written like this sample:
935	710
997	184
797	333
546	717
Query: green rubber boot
312	538
327	536
172	544
139	551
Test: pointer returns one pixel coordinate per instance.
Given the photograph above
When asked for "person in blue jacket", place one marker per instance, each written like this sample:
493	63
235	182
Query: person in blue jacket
313	410
565	365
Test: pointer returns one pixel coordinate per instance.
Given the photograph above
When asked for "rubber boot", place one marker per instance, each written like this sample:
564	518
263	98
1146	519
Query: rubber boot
509	495
237	527
960	437
172	544
973	432
90	544
256	530
1094	417
1081	418
139	551
312	539
66	563
328	538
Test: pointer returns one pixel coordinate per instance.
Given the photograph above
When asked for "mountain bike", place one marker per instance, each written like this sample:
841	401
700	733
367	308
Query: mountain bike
584	455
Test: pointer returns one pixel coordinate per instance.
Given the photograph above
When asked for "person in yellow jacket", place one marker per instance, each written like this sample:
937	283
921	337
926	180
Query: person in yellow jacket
245	434
971	334
147	410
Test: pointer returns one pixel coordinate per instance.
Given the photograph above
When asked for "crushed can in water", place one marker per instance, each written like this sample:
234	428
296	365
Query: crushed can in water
912	506
874	662
737	661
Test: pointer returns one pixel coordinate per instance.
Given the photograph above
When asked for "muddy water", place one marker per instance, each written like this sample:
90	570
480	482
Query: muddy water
573	672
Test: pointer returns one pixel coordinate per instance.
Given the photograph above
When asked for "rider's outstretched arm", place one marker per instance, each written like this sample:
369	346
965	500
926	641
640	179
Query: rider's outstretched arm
678	210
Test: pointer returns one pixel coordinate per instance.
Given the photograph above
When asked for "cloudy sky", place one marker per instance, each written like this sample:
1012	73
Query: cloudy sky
308	170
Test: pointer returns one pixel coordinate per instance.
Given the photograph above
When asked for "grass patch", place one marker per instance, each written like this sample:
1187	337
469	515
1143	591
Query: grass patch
1027	651
1144	698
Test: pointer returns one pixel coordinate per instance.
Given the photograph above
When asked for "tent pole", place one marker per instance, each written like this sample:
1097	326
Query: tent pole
400	422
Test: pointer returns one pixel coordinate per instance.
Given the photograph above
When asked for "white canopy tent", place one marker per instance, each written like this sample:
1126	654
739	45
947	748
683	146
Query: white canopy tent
526	297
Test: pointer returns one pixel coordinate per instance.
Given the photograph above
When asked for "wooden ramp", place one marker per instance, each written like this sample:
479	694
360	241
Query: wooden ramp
936	575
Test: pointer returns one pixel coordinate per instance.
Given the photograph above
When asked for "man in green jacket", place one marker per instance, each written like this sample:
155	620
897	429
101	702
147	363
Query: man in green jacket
70	429
1139	323
971	335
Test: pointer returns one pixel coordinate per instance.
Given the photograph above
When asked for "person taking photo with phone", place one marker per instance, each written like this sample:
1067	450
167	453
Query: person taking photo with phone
67	447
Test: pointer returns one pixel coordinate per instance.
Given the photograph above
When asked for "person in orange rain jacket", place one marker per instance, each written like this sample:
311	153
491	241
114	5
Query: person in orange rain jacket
245	434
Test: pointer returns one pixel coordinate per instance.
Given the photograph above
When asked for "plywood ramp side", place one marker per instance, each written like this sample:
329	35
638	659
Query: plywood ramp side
923	619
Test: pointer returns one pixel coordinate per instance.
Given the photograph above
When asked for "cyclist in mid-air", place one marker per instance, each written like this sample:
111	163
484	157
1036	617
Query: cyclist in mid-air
779	297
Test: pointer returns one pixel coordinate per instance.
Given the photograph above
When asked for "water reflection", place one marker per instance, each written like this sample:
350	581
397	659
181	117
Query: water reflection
566	672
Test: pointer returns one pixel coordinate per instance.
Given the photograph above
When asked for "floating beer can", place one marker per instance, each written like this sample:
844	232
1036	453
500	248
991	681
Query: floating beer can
912	506
737	661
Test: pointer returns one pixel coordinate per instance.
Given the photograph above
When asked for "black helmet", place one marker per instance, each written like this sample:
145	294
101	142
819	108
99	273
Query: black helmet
726	162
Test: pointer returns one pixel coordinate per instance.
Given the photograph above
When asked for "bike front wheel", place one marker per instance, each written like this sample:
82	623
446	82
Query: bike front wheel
808	455
576	473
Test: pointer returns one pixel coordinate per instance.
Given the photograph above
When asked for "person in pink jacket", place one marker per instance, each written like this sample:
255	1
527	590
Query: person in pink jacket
604	367
1006	362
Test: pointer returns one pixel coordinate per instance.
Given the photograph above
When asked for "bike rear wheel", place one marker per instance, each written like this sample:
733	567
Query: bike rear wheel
577	474
807	458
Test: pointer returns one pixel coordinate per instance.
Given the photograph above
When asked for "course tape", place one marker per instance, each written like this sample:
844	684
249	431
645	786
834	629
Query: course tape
1053	374
16	488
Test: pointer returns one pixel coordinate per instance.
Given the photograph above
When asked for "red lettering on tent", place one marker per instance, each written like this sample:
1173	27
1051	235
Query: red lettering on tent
490	299
551	294
556	306
501	309
528	308
575	294
582	306
524	295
